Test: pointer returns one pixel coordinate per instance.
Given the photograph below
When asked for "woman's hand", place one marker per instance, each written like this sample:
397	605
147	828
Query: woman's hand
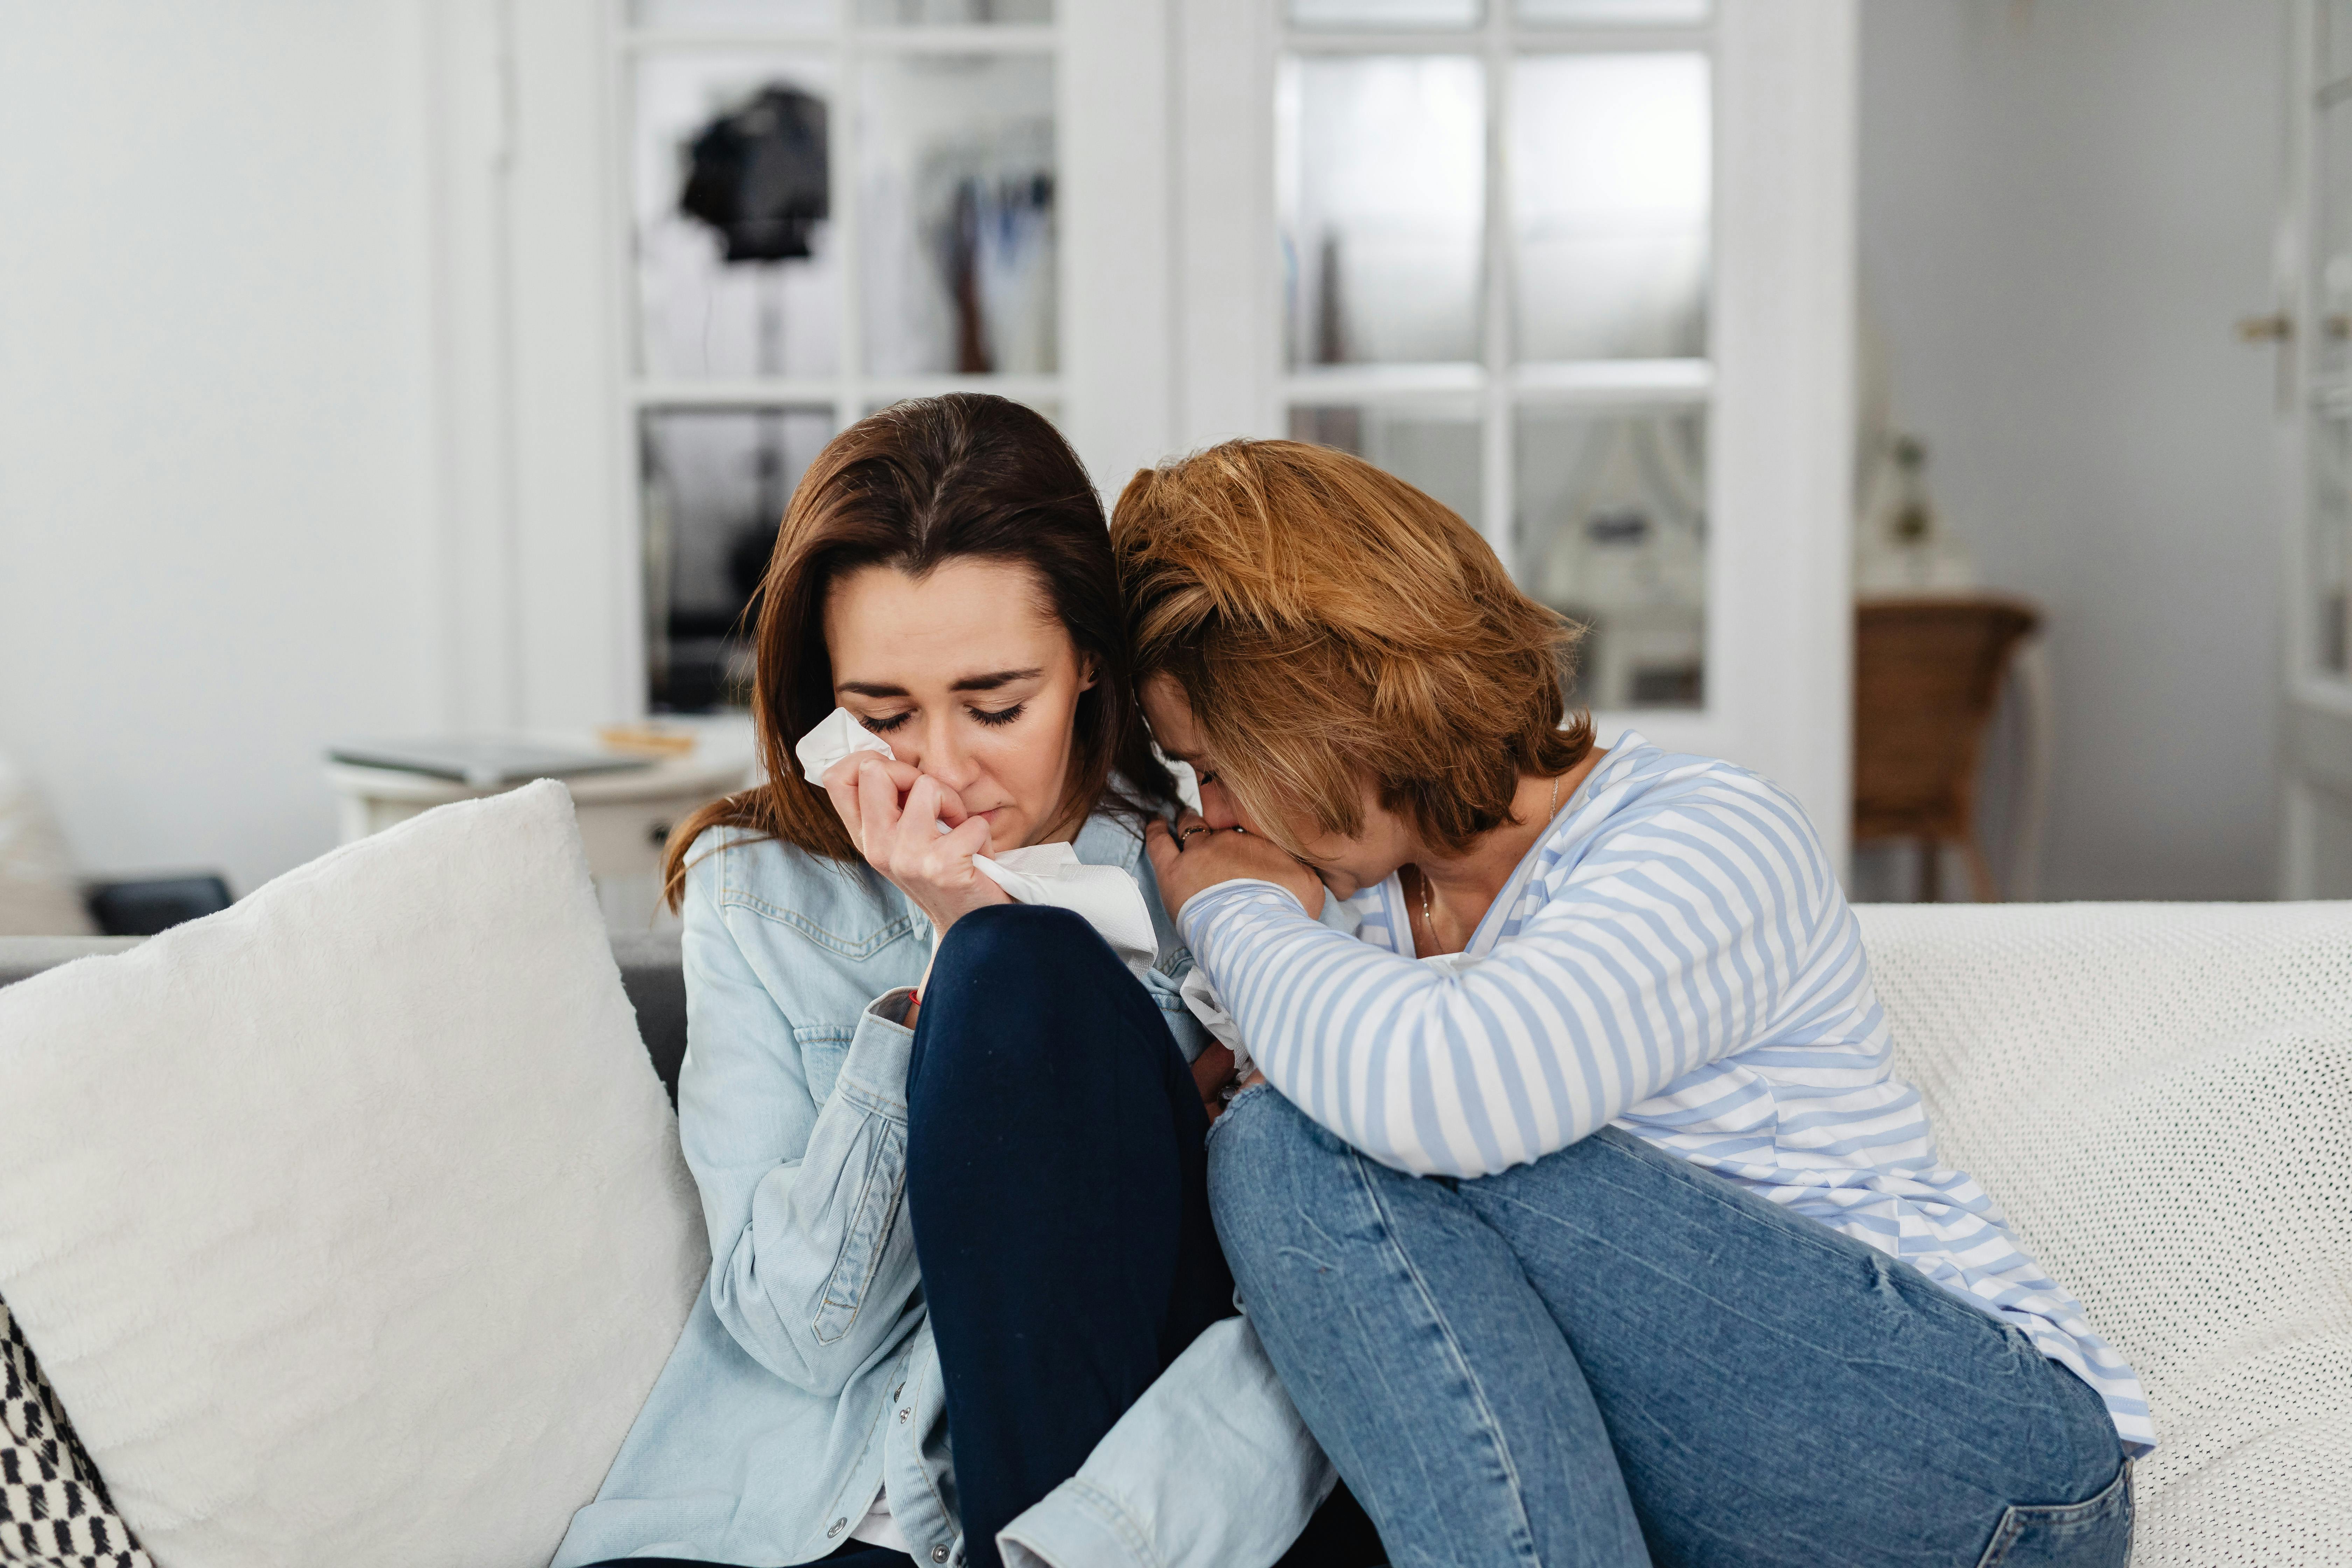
901	839
1196	857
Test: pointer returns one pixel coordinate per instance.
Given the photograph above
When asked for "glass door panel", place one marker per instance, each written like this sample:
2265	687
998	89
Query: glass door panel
1382	186
1375	16
952	13
2332	224
1434	451
955	176
1611	531
715	483
731	16
1610	179
736	270
2330	650
2335	52
1611	13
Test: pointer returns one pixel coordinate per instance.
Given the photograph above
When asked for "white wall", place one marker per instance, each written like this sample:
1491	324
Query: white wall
215	458
2063	206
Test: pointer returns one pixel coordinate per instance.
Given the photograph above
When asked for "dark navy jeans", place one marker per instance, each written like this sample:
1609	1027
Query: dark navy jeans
1058	1187
1613	1357
1057	1182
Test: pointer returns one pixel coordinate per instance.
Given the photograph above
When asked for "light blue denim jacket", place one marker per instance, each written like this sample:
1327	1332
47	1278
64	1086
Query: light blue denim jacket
806	1375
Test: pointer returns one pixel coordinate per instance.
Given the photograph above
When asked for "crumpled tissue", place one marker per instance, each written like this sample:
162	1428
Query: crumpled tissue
1201	998
1107	897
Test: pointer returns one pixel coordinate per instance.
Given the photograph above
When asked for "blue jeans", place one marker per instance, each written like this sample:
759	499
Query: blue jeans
1612	1357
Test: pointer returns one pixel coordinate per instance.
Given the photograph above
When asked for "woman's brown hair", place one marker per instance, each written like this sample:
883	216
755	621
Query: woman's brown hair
1329	623
921	483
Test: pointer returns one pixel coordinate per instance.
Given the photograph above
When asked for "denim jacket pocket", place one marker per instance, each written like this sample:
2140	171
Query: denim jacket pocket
2094	1533
822	1048
884	1180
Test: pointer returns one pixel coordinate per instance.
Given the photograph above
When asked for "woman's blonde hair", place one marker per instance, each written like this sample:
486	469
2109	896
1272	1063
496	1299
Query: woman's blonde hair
1329	625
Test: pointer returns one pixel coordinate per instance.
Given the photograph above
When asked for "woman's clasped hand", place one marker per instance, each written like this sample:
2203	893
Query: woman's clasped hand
1192	857
893	813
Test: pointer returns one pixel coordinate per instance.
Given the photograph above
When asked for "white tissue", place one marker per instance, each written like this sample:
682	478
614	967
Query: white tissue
1210	1009
1049	874
1107	896
836	735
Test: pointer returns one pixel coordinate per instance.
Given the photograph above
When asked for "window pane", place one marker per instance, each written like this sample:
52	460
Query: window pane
716	484
2335	18
951	12
2333	198
1382	192
1610	195
1375	14
2331	533
956	173
736	270
1612	531
1436	453
732	16
1049	407
1610	13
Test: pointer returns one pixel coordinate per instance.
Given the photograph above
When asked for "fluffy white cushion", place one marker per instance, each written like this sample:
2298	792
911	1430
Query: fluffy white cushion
350	1223
2161	1098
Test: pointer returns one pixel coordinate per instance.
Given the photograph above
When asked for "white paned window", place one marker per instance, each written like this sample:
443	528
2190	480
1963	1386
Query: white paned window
832	204
1495	227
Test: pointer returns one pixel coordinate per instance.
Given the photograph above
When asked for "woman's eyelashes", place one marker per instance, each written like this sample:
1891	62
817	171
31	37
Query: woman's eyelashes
994	718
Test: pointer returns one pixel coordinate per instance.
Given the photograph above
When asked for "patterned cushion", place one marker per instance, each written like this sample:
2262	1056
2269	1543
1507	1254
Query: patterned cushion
53	1507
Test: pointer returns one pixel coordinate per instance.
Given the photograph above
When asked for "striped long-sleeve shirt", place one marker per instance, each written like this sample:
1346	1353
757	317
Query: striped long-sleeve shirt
1675	957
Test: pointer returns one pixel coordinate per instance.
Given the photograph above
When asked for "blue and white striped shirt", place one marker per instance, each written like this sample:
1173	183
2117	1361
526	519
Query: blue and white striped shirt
1675	957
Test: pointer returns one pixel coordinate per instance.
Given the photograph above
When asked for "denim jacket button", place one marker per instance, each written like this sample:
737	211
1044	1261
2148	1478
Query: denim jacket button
838	1526
938	1554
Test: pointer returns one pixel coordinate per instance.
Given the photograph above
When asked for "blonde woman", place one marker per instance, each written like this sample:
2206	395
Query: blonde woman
1607	1237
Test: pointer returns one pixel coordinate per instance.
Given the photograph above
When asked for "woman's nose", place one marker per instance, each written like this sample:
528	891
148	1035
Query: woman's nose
1217	807
944	757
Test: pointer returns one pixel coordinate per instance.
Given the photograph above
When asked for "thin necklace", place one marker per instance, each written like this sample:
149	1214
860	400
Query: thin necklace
1421	877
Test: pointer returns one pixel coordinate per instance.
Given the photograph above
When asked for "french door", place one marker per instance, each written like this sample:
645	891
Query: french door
2312	334
1581	269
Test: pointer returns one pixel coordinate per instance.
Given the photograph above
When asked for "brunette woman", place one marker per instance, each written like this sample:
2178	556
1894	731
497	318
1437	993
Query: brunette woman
964	1295
1577	1205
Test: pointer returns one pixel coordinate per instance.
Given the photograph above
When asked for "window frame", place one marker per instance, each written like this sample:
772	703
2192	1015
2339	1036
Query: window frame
1780	394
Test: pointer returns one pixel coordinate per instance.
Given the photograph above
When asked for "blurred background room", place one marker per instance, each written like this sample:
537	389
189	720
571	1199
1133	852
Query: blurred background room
1939	406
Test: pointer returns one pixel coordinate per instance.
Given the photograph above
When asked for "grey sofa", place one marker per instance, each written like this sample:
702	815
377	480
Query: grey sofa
650	972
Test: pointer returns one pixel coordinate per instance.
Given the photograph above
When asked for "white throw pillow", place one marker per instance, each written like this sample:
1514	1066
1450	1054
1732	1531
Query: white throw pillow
350	1223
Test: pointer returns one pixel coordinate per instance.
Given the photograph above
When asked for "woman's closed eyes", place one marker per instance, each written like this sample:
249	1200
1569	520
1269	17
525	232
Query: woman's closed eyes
994	718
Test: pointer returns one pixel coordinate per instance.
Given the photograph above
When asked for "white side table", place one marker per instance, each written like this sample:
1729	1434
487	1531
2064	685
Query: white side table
625	817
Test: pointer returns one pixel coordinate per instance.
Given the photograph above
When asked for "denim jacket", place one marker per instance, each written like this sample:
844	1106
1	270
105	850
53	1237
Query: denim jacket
806	1377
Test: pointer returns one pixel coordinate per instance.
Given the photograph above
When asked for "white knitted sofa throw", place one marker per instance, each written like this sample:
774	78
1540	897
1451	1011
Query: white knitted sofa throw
2160	1096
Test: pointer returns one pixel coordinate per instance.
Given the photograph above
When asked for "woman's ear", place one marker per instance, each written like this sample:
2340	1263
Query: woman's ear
1089	672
